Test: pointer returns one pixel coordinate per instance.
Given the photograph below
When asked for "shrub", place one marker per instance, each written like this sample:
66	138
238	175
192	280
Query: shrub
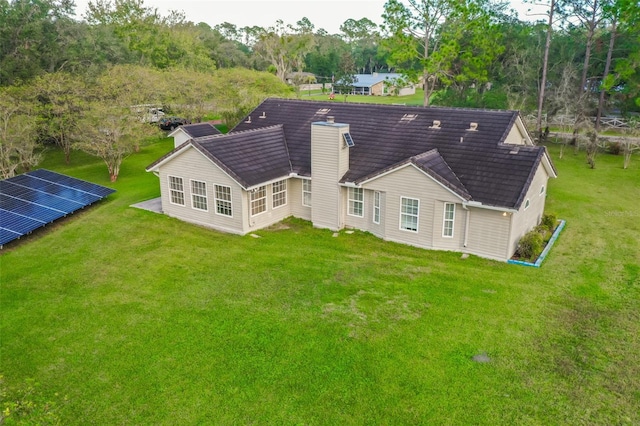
530	245
549	221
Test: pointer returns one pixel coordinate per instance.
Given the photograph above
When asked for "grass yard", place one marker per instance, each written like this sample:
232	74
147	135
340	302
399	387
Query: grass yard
122	316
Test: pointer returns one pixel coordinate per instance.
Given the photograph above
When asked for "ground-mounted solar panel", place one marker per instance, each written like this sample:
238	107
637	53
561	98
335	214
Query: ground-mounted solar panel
34	199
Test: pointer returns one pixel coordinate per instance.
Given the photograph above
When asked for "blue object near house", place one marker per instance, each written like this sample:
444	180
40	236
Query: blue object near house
546	250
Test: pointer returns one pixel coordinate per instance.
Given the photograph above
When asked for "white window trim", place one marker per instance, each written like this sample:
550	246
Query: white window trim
376	207
216	199
417	216
307	181
445	220
180	191
527	204
273	194
351	190
193	195
251	200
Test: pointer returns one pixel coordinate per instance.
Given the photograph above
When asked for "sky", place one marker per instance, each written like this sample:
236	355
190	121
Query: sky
327	14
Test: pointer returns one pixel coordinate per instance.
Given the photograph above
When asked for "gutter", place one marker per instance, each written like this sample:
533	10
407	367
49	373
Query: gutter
479	205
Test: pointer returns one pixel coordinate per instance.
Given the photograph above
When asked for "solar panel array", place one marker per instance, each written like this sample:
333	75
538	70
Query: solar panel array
39	197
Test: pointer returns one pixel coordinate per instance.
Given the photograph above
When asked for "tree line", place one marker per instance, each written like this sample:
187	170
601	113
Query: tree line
581	59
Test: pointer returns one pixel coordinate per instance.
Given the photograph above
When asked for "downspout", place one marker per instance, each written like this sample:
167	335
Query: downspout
249	217
466	225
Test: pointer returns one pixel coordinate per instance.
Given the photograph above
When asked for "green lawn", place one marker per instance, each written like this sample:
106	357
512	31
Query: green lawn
122	316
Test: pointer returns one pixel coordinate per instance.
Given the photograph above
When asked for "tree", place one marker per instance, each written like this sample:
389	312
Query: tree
162	42
284	48
545	66
426	36
18	147
108	127
60	98
31	37
345	79
363	38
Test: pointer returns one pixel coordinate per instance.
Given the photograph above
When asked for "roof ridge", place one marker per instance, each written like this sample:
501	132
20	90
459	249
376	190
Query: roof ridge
457	187
239	132
423	107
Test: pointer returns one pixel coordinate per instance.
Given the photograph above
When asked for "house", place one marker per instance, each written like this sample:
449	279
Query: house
438	178
381	84
183	133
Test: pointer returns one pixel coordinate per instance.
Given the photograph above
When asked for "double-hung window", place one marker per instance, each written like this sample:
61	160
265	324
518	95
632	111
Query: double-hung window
409	211
223	200
449	216
376	207
259	200
199	195
279	193
356	202
306	192
176	190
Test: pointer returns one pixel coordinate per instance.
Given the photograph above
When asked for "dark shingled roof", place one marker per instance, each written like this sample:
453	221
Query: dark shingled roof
476	164
200	129
250	157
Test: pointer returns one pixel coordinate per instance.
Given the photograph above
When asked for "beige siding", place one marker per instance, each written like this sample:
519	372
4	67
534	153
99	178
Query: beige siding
378	89
515	137
518	135
329	162
271	215
295	199
488	233
191	165
179	138
411	183
455	242
524	220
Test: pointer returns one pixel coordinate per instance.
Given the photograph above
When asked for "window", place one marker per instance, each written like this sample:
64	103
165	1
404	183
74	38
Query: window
409	208
376	207
542	190
306	192
449	215
527	204
279	190
176	191
223	200
356	202
259	200
198	195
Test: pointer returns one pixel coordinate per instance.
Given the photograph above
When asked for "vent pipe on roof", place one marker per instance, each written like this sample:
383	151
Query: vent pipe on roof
264	115
436	124
330	119
248	120
473	126
461	139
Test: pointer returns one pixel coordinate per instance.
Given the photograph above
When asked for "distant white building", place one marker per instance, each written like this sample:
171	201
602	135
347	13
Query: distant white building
382	84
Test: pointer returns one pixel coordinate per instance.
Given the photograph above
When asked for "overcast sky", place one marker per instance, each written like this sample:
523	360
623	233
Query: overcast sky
327	14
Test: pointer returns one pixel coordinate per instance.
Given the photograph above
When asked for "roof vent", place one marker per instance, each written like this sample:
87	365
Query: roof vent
409	117
323	111
264	115
330	119
248	120
473	126
514	150
436	124
461	139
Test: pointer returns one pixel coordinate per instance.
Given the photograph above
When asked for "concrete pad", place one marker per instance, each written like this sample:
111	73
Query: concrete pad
153	205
